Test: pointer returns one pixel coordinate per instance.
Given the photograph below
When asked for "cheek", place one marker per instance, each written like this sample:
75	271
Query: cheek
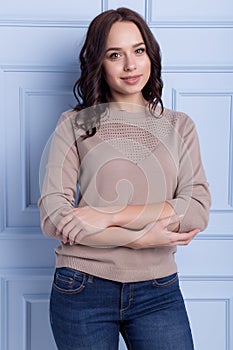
148	69
147	64
109	79
110	72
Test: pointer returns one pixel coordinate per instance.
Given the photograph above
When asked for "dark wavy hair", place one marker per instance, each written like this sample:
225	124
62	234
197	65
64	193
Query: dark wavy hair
91	88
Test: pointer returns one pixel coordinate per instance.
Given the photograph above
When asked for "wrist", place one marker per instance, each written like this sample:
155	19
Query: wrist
111	215
123	216
110	218
115	217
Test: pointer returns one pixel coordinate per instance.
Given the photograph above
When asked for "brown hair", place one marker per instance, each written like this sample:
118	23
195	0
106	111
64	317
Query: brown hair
91	88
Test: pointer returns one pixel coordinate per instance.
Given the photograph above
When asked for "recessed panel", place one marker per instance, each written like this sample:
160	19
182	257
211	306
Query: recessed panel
194	11
20	316
212	115
48	10
2	166
207	99
209	305
39	99
38	334
206	317
195	46
39	115
40	46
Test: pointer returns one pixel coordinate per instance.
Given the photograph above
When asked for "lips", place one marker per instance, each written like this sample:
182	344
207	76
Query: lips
132	79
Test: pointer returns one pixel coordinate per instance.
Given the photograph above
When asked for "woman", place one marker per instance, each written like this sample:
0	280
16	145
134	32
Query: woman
142	192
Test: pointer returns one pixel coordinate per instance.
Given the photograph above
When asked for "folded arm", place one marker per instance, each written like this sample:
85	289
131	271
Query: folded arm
59	193
132	226
155	234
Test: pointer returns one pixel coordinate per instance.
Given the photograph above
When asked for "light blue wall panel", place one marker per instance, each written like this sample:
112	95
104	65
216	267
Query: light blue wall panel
39	99
24	290
207	255
215	310
139	6
2	157
206	96
38	66
191	13
195	47
48	13
37	333
26	248
209	303
213	110
41	46
2	314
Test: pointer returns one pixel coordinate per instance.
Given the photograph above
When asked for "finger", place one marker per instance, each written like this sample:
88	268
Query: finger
177	238
64	239
68	228
62	223
73	236
64	213
186	238
189	234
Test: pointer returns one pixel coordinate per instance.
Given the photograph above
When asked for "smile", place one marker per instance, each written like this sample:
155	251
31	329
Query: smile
131	79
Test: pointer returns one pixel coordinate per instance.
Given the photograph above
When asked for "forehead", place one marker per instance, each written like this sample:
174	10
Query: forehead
123	34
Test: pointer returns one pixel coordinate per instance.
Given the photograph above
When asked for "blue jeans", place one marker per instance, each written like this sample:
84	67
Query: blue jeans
88	313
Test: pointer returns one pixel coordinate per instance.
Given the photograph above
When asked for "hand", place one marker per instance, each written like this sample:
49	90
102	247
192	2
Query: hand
158	235
82	221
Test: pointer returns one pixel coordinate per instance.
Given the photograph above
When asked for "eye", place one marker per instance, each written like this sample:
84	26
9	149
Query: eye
140	50
114	55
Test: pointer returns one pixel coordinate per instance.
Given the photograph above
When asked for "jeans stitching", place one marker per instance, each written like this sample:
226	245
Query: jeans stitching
165	284
64	291
129	301
70	281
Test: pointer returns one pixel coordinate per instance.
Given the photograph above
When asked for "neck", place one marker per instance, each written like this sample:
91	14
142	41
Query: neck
129	103
127	106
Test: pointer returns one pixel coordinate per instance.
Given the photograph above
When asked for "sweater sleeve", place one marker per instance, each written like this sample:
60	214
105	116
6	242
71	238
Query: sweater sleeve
60	182
192	197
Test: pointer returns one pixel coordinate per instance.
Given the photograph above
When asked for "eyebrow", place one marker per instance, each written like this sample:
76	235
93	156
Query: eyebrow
119	48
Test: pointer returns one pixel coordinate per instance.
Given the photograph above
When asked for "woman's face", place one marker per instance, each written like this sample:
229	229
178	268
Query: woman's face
126	64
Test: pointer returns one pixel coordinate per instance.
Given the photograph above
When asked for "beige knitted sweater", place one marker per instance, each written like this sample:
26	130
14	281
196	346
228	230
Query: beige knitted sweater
134	158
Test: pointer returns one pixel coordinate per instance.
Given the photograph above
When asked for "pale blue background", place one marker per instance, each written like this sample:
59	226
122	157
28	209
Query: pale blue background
40	41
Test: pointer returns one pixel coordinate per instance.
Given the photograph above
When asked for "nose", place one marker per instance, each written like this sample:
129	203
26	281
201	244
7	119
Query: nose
129	64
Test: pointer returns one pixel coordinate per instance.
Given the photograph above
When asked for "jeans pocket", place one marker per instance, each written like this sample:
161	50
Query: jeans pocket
165	281
68	281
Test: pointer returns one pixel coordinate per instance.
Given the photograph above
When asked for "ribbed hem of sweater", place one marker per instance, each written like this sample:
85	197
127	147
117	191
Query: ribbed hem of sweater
114	273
